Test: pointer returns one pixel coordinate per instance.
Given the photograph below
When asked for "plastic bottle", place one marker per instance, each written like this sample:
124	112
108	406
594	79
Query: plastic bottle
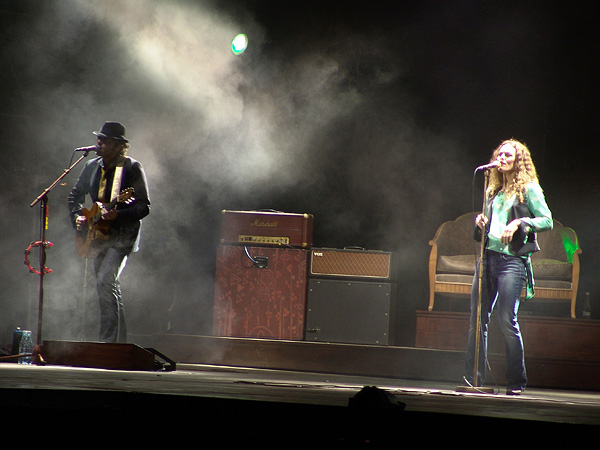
26	347
587	313
17	334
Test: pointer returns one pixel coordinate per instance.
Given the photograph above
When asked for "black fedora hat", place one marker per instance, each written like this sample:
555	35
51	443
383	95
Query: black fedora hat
112	130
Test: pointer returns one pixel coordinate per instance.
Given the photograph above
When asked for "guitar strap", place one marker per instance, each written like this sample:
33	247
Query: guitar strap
116	185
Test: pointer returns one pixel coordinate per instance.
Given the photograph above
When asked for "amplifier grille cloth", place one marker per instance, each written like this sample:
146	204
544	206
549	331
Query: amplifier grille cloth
351	264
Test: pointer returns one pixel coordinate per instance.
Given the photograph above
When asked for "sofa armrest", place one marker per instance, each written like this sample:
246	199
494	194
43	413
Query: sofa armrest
575	281
433	256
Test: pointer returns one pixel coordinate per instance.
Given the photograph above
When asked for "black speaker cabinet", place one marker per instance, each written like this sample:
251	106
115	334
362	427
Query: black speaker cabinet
356	312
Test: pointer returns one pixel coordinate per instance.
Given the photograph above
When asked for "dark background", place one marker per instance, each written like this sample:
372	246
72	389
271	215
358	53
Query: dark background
370	115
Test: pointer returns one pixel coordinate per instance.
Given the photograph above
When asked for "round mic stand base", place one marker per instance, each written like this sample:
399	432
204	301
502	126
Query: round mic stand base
475	390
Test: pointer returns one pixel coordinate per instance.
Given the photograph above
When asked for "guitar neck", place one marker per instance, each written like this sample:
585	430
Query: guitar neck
110	205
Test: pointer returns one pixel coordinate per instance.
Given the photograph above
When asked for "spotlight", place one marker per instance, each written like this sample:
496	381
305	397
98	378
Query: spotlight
239	44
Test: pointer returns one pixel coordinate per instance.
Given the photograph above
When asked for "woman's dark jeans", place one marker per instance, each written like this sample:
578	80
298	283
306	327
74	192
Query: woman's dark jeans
503	280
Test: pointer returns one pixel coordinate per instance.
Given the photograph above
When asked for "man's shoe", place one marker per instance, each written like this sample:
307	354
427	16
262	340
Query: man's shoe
514	391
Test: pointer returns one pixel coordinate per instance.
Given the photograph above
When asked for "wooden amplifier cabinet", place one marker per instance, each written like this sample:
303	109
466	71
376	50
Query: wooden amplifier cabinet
267	228
260	292
351	263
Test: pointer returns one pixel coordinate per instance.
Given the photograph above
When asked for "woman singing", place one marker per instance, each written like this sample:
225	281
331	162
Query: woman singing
515	211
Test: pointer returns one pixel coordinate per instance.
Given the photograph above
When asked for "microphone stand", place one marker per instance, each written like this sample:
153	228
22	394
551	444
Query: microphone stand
475	388
43	200
480	276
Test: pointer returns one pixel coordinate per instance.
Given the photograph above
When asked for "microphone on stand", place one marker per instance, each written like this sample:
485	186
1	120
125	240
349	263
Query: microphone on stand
489	166
87	149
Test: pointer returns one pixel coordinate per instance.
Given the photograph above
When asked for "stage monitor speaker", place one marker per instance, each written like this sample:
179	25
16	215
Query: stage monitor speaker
260	292
354	312
98	355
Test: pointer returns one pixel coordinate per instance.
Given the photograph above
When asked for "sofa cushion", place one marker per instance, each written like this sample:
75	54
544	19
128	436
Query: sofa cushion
543	269
454	278
553	284
460	264
552	269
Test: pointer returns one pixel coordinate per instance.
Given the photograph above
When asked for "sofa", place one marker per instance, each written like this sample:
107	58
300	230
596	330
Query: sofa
454	252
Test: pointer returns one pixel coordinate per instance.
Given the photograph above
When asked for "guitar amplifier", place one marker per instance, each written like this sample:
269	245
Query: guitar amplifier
260	292
350	263
267	228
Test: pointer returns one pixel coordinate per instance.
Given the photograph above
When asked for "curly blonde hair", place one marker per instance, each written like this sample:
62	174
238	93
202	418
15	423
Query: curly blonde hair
524	171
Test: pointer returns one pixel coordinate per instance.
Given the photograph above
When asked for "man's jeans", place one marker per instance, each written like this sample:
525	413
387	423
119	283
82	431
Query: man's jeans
108	267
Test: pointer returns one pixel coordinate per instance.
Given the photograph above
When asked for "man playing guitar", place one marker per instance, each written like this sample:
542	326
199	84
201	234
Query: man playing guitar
110	231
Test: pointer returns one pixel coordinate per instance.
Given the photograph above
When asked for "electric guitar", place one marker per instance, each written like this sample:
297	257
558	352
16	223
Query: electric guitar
96	228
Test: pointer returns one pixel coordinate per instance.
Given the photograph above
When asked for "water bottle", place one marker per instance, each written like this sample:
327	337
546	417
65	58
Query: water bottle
587	312
26	347
16	340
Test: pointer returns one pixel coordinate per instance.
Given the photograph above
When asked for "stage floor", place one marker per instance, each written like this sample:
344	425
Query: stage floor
238	404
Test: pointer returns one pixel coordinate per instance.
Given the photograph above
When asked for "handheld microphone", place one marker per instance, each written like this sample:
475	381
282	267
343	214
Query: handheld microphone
489	166
87	149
